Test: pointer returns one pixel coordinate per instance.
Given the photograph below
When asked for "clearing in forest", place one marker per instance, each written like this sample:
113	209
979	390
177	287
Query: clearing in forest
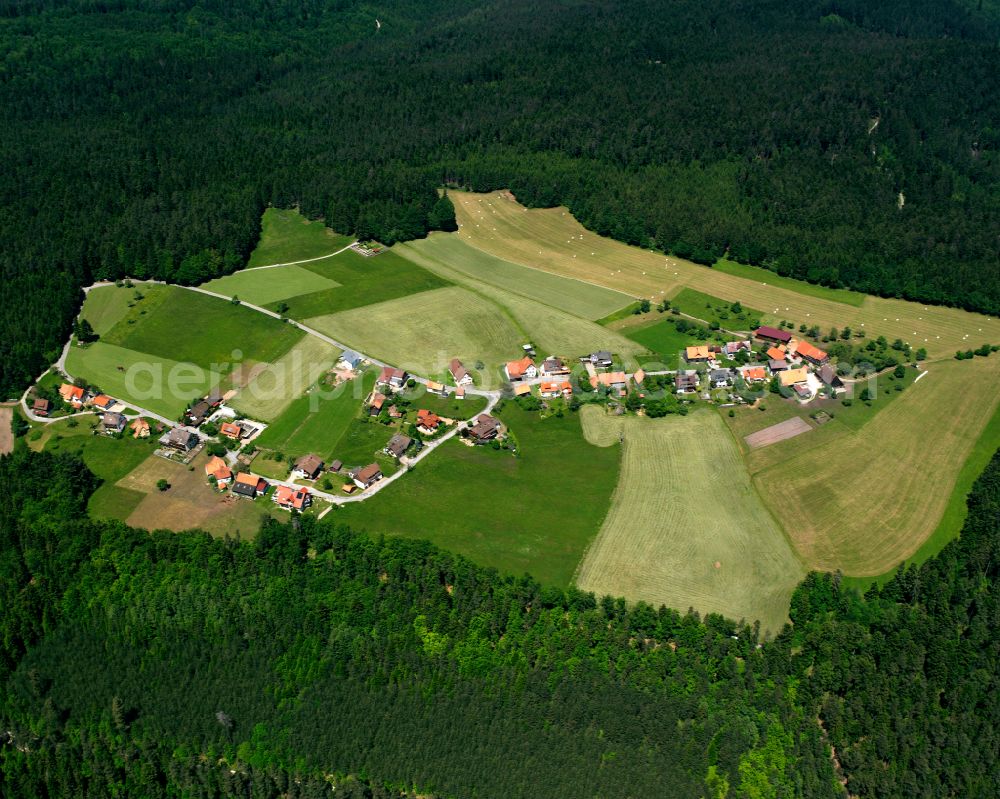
423	332
264	286
686	527
553	241
868	499
287	236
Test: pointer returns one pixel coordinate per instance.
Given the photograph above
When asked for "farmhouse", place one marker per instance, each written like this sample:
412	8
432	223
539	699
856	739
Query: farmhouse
140	428
434	387
731	348
792	376
103	402
556	388
216	467
720	378
830	378
600	359
773	334
428	422
365	476
41	407
74	395
231	430
700	352
554	367
485	429
614	381
249	485
375	403
523	369
810	353
459	373
308	467
391	377
181	439
686	382
397	445
199	412
350	359
292	498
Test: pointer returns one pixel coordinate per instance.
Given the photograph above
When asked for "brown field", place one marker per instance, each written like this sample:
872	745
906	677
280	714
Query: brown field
864	500
553	241
6	433
778	432
190	502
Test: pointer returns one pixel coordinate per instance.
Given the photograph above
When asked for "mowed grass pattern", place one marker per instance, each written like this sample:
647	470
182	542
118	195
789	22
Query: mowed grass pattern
105	306
286	236
422	333
573	296
273	387
553	241
264	286
535	513
867	500
684	502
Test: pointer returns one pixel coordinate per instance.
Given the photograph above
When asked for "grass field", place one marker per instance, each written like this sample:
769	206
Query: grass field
662	339
686	527
422	333
271	389
188	326
286	236
315	422
449	407
162	385
535	513
105	306
713	309
864	501
548	239
761	275
363	281
264	286
580	299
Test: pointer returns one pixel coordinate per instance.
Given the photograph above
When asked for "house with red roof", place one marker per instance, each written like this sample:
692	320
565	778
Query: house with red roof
292	498
523	369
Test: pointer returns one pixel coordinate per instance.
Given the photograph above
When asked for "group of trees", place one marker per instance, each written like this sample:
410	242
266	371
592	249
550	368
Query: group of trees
824	142
164	664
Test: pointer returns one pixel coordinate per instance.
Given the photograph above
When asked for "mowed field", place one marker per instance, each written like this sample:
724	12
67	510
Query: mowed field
553	241
423	332
286	236
864	501
107	305
272	388
534	513
576	297
264	286
686	527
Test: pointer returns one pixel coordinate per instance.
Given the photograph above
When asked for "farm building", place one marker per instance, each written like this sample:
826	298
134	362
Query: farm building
698	352
308	467
140	428
773	334
459	373
365	476
523	369
336	466
776	353
397	445
74	395
720	378
428	422
830	378
292	498
810	353
486	428
41	407
249	485
391	377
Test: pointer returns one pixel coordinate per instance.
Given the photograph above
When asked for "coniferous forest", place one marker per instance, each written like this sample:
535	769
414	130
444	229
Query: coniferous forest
845	142
317	662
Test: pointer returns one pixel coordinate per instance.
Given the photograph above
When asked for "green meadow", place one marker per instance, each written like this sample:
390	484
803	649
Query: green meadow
264	286
758	273
286	236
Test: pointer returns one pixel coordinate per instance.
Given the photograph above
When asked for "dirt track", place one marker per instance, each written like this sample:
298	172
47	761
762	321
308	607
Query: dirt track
778	432
6	434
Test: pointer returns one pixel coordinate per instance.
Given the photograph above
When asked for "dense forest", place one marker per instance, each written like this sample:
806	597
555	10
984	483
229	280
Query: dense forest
845	142
316	661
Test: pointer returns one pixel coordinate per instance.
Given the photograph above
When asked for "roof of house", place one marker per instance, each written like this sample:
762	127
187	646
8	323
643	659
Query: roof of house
213	464
337	466
231	429
736	346
776	353
139	424
754	373
309	464
829	375
350	356
518	368
720	374
377	400
792	376
41	404
459	392
112	419
214	397
773	333
608	379
433	385
555	387
807	350
458	371
485	425
639	376
390	373
554	364
102	401
600	355
522	390
294	497
398	444
366	473
428	419
68	391
697	351
686	380
776	364
349	488
251	481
